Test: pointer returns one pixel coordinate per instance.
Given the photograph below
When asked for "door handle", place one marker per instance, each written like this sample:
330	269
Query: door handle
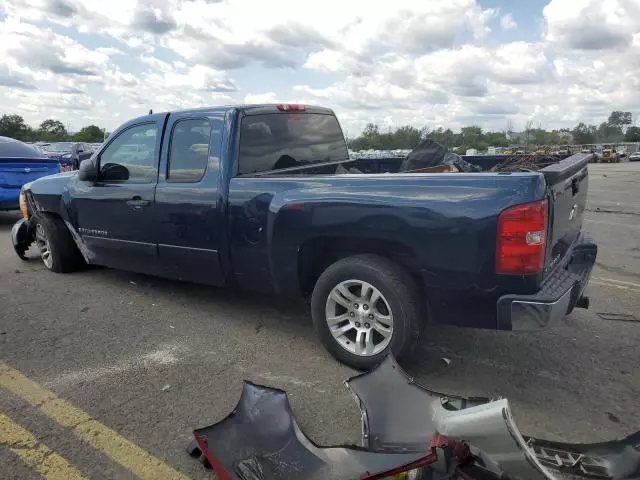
137	202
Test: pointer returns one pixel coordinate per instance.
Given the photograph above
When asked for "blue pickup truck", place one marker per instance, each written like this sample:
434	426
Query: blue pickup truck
262	197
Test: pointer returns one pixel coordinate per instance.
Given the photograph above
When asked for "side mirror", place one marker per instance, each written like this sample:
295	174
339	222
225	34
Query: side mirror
88	171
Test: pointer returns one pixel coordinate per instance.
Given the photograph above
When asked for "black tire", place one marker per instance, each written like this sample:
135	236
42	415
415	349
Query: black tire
398	289
64	253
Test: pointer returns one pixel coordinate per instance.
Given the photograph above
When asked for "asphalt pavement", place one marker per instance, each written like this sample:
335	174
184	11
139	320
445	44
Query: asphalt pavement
107	373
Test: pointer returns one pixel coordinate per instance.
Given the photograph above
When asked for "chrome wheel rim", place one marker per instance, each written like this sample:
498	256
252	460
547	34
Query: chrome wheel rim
359	317
43	246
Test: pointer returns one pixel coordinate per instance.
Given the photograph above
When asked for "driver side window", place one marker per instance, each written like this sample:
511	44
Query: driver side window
131	156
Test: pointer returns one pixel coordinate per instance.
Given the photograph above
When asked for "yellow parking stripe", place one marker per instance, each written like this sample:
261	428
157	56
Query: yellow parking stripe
36	455
611	280
608	282
100	437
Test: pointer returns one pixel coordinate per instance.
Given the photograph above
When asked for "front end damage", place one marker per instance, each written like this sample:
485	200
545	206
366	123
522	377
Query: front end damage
22	236
408	432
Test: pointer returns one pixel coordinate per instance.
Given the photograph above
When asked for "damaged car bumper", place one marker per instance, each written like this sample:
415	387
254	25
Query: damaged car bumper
22	236
560	293
408	431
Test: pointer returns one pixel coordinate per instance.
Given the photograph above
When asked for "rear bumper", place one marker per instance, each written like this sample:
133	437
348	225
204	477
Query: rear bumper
558	296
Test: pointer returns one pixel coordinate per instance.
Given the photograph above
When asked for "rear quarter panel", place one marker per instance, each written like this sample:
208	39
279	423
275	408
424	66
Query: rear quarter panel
446	221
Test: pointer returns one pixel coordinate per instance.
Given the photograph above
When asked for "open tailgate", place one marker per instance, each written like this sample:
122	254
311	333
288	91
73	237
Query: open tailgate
568	183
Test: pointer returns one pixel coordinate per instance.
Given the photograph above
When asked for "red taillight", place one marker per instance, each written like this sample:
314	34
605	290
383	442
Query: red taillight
522	238
287	107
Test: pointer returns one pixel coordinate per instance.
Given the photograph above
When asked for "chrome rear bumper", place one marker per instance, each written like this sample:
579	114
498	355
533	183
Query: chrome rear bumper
558	296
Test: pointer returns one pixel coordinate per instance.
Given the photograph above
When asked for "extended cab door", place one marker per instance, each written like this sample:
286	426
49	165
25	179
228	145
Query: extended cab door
189	202
114	215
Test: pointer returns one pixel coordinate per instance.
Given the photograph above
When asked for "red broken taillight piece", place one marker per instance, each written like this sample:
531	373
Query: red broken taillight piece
522	238
288	107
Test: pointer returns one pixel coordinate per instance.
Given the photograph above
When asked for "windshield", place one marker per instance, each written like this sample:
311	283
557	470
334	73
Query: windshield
62	147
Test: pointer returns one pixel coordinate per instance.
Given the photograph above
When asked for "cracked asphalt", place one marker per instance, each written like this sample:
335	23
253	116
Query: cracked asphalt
151	359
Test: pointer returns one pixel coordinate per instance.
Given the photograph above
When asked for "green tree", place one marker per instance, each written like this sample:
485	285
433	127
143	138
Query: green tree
584	134
472	137
442	136
89	134
609	133
632	134
407	137
13	126
52	131
620	119
496	139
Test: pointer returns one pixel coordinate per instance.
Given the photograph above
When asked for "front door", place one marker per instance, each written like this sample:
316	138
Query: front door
114	215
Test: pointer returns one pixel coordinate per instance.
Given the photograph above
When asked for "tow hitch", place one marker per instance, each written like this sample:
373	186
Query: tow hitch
583	302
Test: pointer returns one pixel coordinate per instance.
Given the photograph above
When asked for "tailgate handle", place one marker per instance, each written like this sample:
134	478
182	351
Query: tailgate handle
575	186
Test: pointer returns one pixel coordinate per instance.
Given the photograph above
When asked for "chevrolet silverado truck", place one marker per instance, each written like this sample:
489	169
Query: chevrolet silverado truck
264	197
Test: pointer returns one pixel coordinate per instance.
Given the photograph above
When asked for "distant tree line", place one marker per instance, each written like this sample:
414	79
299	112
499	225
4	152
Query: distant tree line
617	128
49	130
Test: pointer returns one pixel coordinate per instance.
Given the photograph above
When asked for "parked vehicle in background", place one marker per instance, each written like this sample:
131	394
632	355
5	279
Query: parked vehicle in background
609	155
260	197
19	164
95	146
634	157
69	154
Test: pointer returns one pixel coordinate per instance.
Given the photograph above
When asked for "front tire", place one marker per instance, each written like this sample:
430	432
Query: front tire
57	248
365	306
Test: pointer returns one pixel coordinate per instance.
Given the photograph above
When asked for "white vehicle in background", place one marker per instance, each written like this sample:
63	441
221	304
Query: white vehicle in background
132	152
634	157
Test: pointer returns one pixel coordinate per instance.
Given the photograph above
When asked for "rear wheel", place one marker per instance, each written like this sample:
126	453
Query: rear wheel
57	248
365	306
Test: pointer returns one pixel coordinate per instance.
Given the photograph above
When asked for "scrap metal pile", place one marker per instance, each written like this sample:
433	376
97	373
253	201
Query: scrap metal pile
523	163
409	432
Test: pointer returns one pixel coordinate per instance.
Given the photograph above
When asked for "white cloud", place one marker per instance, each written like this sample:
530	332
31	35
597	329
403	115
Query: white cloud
507	22
267	97
428	62
592	24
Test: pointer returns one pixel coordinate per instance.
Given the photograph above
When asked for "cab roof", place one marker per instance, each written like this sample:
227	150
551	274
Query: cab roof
252	109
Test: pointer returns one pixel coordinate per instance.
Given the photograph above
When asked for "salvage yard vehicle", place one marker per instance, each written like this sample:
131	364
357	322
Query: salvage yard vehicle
609	155
248	196
69	154
19	164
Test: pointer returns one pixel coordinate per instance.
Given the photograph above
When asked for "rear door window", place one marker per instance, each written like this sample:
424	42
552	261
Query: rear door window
286	140
189	150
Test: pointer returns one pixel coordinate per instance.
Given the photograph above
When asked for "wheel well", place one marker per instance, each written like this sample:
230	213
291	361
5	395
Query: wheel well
317	254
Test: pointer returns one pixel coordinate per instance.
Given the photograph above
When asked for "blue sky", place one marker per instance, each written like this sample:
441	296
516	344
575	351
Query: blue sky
423	62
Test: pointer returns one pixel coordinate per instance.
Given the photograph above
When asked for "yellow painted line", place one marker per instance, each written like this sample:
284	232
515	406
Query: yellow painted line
36	455
611	280
100	437
627	288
